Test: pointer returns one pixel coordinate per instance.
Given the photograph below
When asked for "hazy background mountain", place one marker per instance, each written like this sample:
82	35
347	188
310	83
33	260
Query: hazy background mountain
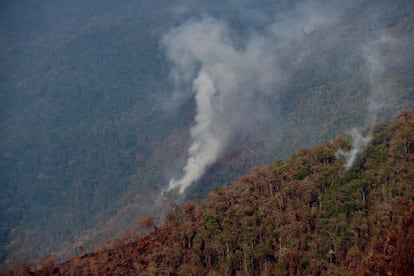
98	101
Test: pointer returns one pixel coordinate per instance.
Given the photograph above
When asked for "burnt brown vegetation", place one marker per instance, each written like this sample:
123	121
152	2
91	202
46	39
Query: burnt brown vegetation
305	216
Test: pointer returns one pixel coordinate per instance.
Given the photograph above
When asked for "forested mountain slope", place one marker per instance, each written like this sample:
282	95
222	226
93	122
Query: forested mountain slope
93	125
308	215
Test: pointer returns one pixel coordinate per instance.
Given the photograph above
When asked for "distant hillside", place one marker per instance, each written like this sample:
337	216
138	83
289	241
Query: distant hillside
307	215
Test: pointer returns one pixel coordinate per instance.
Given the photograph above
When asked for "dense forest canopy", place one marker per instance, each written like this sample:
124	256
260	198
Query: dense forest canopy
309	215
101	102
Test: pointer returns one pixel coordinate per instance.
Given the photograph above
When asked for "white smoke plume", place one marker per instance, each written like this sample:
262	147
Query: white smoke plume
359	143
378	56
225	78
230	78
206	142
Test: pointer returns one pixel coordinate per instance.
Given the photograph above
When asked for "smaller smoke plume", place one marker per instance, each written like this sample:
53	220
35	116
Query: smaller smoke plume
377	55
359	143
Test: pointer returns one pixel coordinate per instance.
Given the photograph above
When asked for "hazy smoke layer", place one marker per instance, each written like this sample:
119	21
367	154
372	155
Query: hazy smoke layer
379	55
230	77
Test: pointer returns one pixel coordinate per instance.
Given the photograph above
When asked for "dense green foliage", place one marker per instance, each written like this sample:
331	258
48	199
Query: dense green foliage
307	216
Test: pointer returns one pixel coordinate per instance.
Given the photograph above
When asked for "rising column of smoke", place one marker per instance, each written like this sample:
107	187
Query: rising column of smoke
206	144
228	78
359	142
380	95
225	77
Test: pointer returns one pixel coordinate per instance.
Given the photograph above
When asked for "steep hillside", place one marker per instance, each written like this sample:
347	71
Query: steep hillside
93	124
307	215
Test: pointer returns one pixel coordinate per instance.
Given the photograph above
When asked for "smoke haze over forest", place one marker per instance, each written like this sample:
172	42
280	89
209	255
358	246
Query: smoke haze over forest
233	77
108	104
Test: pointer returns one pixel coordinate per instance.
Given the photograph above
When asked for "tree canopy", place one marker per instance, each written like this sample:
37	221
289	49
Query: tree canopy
308	215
